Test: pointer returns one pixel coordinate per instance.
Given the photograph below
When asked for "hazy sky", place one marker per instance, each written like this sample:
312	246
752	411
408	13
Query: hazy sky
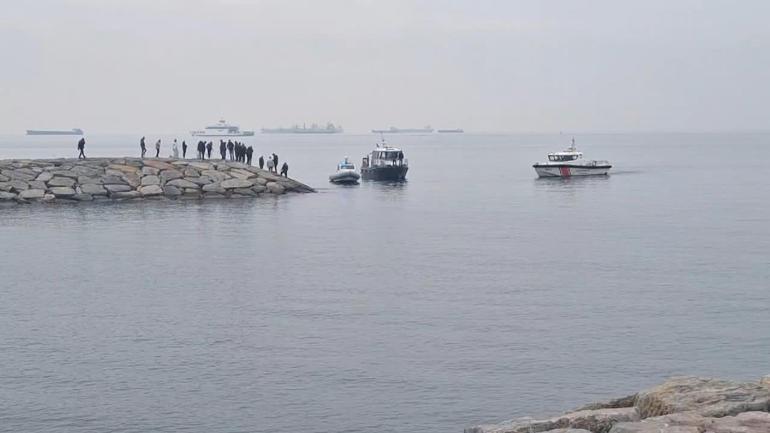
539	65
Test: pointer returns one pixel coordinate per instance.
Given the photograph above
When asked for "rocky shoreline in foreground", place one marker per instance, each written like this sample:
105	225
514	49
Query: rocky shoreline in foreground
121	179
679	405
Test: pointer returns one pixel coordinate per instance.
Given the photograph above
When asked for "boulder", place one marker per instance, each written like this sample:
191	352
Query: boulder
150	171
20	174
203	180
83	197
37	184
765	381
704	396
150	190
120	167
241	174
61	181
216	176
115	180
83	180
261	181
49	197
150	180
182	183
275	188
171	191
126	195
201	165
259	189
32	194
627	401
213	195
191	172
236	183
132	179
18	185
245	192
82	170
596	421
115	188
690	422
214	188
92	189
7	195
64	173
160	165
167	175
62	191
4	178
44	176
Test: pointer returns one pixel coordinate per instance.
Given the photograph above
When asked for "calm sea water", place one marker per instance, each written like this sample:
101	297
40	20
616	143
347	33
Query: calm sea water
472	293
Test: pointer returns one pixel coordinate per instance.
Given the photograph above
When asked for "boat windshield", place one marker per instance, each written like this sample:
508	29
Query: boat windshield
569	157
346	166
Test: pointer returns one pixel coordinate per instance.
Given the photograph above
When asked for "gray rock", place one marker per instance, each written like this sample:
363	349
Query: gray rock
245	192
19	185
150	180
49	197
627	401
114	180
150	171
132	179
192	191
83	197
7	195
275	188
4	178
191	172
213	195
261	181
596	421
236	183
5	186
707	397
20	174
765	381
216	176
214	188
126	195
32	194
93	189
259	189
37	184
171	191
64	173
203	180
167	175
115	188
83	180
150	190
62	191
690	422
182	183
44	176
61	181
241	174
200	165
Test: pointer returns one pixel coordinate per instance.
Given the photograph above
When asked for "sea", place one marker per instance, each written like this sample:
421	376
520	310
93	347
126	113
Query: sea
474	292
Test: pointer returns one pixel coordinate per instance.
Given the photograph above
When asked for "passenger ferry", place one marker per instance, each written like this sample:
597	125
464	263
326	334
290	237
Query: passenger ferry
222	129
384	163
569	163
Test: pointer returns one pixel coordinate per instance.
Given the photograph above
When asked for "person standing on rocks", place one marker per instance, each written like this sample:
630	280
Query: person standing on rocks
222	149
275	162
143	147
261	162
157	148
285	170
209	147
270	165
249	152
201	149
82	148
175	150
184	150
230	149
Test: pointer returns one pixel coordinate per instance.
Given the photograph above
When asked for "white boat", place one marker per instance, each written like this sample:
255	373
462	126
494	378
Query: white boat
222	129
570	163
346	173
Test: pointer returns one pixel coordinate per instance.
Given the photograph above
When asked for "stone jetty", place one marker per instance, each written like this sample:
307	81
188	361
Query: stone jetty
680	405
120	179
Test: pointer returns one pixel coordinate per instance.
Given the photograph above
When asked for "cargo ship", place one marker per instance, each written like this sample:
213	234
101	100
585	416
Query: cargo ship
394	130
330	128
450	131
73	131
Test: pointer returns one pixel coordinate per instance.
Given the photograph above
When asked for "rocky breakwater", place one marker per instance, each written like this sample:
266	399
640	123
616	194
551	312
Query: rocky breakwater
680	405
118	179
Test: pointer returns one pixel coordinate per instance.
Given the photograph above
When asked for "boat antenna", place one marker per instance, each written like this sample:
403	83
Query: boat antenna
573	144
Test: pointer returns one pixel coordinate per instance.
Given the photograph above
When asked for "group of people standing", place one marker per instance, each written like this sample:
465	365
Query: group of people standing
236	151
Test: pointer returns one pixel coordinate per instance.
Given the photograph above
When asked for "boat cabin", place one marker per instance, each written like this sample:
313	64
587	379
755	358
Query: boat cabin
385	156
564	156
346	165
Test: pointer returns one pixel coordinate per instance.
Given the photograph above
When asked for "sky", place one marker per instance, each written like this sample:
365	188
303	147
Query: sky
139	66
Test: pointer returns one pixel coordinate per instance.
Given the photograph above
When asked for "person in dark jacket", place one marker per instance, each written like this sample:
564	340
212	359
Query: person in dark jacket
201	149
157	148
82	148
231	149
184	150
275	161
143	147
285	170
222	149
209	147
261	162
249	152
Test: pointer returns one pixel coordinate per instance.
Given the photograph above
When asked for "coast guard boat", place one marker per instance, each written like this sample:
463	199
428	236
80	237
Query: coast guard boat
346	173
569	163
385	163
222	129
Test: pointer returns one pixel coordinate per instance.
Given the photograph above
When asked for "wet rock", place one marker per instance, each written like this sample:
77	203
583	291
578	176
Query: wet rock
259	189
244	192
236	183
690	422
704	396
171	191
115	188
213	195
150	180
182	183
596	421
275	188
31	194
150	190
7	195
83	197
62	191
61	181
214	188
122	195
93	189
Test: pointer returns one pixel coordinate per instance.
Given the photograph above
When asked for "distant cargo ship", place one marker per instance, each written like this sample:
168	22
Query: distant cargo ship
330	128
394	130
222	129
451	131
73	131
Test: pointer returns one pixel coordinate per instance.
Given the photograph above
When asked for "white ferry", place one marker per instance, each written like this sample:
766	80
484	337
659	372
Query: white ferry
222	129
570	163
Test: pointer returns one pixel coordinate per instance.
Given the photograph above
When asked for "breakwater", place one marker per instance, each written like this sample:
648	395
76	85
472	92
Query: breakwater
120	179
679	405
